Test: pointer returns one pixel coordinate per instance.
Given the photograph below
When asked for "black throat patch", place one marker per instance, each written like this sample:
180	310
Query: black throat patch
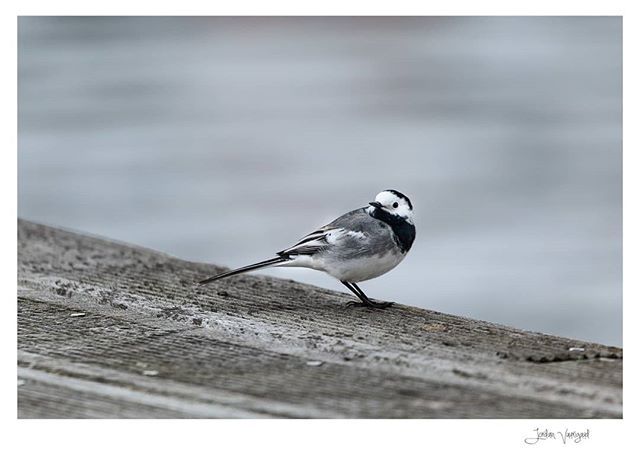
404	233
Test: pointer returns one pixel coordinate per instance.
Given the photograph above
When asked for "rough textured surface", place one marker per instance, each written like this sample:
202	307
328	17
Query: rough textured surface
111	330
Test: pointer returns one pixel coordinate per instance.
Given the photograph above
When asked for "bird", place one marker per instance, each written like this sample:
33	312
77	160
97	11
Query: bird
358	246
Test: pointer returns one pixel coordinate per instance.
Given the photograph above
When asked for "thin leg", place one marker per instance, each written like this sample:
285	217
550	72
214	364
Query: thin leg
365	300
375	304
356	293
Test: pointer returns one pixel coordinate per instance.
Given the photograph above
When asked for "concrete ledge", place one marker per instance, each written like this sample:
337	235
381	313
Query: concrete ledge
111	330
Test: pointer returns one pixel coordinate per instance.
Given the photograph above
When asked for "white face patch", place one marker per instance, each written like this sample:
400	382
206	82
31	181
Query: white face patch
396	205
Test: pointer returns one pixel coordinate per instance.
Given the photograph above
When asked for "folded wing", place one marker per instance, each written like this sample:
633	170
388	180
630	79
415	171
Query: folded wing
319	240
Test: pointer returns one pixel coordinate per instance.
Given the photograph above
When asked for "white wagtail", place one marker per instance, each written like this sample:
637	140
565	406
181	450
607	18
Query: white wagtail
360	245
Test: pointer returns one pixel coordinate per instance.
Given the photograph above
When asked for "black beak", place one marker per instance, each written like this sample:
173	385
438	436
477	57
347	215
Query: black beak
376	204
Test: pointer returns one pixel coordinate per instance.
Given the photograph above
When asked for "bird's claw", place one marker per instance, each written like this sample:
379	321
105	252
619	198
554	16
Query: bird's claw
381	305
370	304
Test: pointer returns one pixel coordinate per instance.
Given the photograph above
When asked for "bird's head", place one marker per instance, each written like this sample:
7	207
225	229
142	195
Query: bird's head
394	203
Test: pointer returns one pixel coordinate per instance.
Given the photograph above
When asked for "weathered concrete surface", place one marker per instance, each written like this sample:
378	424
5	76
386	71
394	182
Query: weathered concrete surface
111	330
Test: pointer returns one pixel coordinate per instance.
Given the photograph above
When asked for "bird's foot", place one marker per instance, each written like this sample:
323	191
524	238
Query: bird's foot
380	305
370	304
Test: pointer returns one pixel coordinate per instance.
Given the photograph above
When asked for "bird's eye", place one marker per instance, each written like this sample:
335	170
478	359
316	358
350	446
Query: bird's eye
395	204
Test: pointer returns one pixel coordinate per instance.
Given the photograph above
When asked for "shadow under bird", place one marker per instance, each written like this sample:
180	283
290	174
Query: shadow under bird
360	245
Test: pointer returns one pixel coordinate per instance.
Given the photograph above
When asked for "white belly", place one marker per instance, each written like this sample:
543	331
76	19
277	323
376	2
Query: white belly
362	269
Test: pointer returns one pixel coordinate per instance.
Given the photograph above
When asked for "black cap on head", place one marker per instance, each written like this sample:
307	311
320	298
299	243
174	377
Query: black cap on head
401	196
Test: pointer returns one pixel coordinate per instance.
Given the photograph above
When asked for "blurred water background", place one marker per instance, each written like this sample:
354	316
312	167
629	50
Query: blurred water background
226	139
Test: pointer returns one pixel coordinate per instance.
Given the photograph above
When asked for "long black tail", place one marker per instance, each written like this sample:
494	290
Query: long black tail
248	268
